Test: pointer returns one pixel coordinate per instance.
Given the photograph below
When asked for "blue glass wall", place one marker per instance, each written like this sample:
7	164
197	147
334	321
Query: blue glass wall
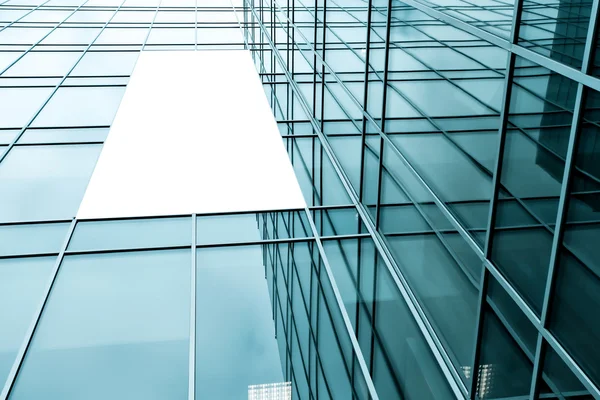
447	151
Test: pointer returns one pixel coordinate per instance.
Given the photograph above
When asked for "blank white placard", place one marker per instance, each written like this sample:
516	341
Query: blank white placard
194	134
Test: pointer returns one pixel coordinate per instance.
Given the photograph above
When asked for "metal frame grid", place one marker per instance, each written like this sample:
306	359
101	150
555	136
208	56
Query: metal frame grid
295	44
312	125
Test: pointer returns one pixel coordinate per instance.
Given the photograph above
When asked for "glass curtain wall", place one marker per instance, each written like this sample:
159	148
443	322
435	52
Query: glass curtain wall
448	154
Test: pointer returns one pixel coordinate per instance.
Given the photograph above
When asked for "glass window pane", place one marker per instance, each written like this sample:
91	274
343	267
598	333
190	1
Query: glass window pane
44	64
539	121
130	234
73	106
504	368
22	283
235	335
227	229
556	29
19	105
45	182
560	379
32	238
115	326
574	316
105	64
446	289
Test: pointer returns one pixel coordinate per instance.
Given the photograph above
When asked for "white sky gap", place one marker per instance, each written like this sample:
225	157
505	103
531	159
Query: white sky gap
193	134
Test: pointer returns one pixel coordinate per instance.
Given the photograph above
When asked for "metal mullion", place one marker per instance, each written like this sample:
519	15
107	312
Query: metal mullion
64	78
16	366
365	105
193	287
388	29
314	108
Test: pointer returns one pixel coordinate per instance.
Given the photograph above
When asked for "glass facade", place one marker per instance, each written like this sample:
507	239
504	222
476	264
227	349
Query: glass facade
449	156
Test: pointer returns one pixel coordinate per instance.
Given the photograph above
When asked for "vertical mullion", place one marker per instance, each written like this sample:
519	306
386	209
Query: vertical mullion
365	103
388	28
485	274
193	286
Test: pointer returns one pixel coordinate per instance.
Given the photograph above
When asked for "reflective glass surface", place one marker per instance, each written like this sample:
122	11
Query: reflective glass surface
448	160
22	284
236	345
539	121
116	325
578	274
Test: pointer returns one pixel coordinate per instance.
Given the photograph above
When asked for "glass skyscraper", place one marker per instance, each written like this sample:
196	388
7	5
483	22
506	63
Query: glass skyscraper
448	156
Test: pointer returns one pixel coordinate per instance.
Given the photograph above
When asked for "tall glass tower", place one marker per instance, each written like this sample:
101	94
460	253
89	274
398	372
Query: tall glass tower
369	199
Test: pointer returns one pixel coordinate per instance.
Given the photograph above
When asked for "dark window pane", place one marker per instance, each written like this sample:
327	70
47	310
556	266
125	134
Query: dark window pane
504	369
577	293
556	29
539	122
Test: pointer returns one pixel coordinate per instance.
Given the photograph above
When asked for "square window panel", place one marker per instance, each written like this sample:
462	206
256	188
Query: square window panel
45	182
72	36
32	238
89	106
115	326
14	35
22	282
47	16
134	16
19	105
91	16
7	58
44	64
122	36
106	63
171	36
8	135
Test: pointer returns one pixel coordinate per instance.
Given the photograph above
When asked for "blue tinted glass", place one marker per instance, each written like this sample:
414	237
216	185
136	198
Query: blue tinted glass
131	234
235	335
537	136
32	238
556	29
444	287
45	182
227	229
81	106
19	105
22	283
115	326
505	367
574	317
44	64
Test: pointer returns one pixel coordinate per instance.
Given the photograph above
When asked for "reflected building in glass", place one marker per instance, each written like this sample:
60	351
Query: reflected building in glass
448	155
